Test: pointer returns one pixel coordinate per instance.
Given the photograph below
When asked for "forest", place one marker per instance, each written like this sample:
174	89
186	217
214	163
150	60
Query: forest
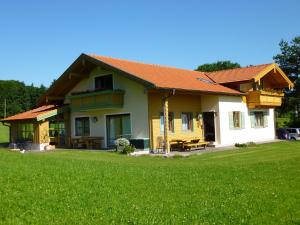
17	97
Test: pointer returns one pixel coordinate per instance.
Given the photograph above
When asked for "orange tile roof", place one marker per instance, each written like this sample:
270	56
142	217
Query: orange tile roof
236	75
32	114
167	77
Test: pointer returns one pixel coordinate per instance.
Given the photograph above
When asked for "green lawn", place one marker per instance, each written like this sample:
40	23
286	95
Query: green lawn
4	134
258	185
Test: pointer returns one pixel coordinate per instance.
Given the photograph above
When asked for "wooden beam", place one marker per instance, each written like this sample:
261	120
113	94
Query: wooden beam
166	125
77	75
55	98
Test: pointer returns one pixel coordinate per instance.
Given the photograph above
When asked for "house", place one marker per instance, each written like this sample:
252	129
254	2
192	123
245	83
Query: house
103	98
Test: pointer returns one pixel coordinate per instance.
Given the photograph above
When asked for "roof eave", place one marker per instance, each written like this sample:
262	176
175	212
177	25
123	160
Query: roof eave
201	91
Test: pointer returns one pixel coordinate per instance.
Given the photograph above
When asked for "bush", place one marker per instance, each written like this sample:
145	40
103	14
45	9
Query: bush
128	149
123	146
242	145
121	143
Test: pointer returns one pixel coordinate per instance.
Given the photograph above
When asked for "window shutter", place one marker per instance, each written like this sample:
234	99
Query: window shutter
231	125
242	119
266	115
252	118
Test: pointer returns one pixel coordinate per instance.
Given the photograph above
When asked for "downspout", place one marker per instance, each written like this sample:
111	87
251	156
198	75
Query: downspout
166	146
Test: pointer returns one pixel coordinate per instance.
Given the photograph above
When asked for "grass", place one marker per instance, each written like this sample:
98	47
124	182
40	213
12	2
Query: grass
4	134
257	185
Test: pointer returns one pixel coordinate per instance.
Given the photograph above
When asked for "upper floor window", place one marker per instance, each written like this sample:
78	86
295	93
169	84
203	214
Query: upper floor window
104	82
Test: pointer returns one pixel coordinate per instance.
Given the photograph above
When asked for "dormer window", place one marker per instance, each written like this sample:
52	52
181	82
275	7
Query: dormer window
104	82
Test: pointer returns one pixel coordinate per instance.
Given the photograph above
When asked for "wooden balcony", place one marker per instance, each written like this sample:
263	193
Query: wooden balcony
92	100
264	99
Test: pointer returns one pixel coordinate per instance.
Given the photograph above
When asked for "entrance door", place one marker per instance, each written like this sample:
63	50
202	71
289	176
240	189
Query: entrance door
117	126
209	126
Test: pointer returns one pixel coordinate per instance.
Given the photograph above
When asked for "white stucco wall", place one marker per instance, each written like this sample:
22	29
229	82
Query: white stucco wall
135	103
230	137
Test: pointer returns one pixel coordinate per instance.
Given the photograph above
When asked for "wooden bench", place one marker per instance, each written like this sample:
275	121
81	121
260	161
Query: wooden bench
192	146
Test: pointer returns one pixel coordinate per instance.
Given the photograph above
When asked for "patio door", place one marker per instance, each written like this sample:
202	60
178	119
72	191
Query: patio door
117	126
209	126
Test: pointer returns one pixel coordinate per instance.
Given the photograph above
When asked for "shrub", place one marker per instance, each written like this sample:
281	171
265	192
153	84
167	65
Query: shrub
121	143
242	145
128	149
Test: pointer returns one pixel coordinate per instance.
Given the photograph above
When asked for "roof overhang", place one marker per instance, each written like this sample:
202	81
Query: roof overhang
41	117
195	92
276	69
77	71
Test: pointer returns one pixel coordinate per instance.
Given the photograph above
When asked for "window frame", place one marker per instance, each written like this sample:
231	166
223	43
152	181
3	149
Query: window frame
236	118
23	131
89	128
161	119
102	76
190	122
261	113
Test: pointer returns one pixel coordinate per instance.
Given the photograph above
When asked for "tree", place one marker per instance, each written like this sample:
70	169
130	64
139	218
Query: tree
18	96
289	62
219	65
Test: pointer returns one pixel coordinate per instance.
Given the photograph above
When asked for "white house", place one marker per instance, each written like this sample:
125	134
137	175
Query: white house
99	99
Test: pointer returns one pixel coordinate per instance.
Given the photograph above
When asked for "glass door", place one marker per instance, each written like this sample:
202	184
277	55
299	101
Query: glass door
118	126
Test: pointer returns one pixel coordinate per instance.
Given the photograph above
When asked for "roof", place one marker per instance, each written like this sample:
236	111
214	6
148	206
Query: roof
237	74
164	77
38	113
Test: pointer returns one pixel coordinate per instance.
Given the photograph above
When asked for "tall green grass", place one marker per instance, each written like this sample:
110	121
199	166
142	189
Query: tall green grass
258	185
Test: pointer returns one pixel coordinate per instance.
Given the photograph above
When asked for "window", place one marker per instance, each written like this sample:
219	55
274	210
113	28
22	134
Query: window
187	121
25	132
236	120
171	122
82	126
259	119
56	128
104	82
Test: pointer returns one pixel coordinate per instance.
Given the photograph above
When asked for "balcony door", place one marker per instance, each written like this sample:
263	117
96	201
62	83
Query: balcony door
117	126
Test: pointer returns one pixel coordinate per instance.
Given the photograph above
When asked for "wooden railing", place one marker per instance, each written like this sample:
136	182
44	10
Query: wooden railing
97	100
264	99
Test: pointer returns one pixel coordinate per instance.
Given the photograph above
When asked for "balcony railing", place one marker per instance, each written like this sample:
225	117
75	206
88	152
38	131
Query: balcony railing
264	99
91	100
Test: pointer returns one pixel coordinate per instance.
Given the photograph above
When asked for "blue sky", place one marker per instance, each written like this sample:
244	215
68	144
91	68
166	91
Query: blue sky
40	39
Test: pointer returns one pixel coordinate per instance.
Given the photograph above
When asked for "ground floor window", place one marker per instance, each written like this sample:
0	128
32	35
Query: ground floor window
259	118
25	132
171	122
187	121
82	126
57	132
236	120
